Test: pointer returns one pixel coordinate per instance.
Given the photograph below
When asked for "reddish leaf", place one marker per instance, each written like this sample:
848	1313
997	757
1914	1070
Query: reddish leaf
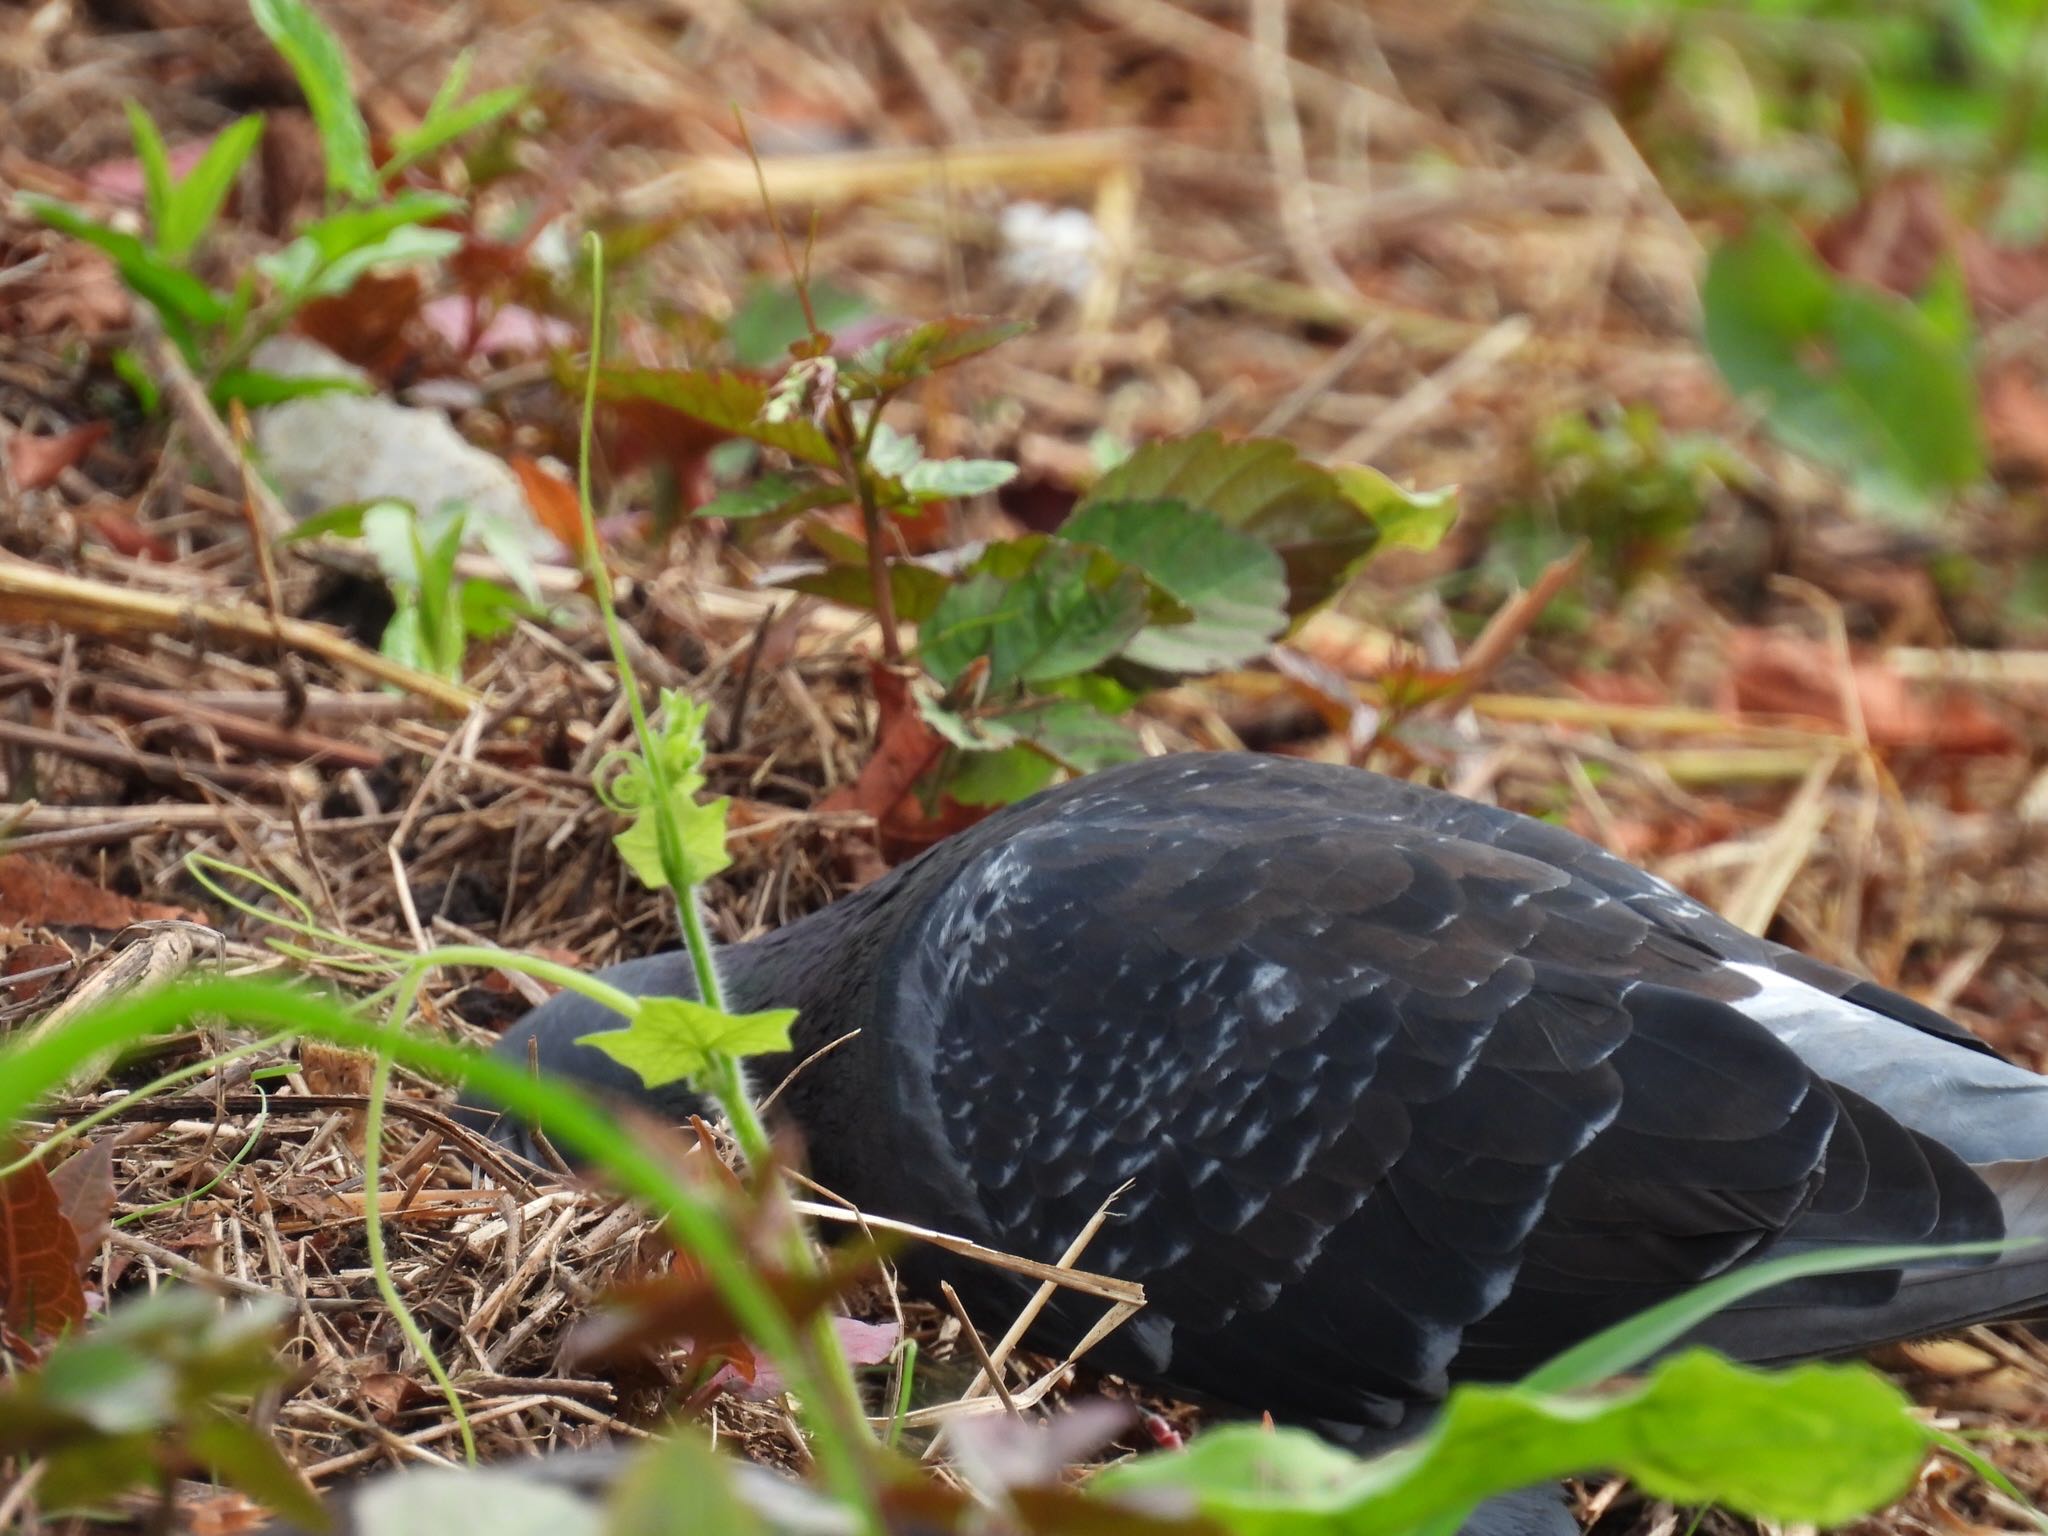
38	461
1898	236
84	1182
40	1291
1785	675
755	1379
113	525
35	894
387	1392
367	325
553	500
904	748
2016	423
24	958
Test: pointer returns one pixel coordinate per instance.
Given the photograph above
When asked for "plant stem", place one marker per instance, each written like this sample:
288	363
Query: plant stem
841	1427
853	451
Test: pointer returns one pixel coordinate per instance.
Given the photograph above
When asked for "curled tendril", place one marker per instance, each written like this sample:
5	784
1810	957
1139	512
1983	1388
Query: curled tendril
622	782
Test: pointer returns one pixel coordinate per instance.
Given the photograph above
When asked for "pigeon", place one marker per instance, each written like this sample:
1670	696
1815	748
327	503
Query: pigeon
1399	1090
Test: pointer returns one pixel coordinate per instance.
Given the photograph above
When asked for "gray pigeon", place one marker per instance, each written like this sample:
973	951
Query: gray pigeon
1407	1089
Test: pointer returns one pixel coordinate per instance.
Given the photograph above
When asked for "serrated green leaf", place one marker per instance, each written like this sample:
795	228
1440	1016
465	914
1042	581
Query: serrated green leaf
914	589
944	479
674	1038
998	778
1038	608
1260	487
1859	380
892	453
1234	586
1819	1444
1075	734
702	831
782	495
897	361
730	402
195	202
315	57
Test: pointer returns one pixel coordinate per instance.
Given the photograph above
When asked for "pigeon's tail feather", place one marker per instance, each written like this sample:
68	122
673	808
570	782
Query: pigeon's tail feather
1938	1298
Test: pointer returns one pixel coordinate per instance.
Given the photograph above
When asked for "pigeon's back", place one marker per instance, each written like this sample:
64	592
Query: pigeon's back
1398	1088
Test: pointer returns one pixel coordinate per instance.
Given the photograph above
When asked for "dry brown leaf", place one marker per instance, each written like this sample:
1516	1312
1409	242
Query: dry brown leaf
35	894
1775	674
38	461
85	1192
554	501
40	1291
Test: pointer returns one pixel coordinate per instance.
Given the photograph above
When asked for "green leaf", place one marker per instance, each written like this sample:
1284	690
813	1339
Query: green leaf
892	453
914	588
897	361
489	610
780	495
503	1500
155	161
196	201
449	117
405	637
408	247
730	402
316	58
1406	519
702	832
943	479
330	253
1820	1444
342	522
134	372
1260	487
1234	585
340	234
110	1384
1859	380
250	1461
255	388
674	1038
1074	734
998	778
770	320
678	1486
1038	608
